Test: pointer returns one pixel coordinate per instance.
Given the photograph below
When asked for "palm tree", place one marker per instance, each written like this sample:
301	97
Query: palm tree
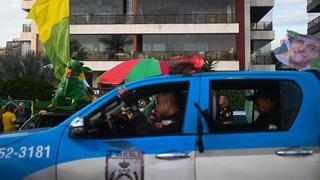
32	65
77	50
209	63
116	43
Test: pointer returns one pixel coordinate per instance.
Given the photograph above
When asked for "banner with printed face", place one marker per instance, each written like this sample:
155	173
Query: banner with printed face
298	51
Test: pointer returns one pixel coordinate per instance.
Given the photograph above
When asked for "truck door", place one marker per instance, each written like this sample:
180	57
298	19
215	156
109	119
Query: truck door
110	150
237	148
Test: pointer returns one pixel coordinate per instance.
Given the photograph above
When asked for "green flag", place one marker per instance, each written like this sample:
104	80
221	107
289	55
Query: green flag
52	19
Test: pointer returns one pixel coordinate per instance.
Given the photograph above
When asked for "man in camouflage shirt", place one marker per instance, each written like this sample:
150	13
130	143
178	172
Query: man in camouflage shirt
226	114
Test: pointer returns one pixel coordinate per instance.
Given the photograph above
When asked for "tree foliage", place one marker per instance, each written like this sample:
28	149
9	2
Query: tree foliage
27	88
78	51
209	63
31	64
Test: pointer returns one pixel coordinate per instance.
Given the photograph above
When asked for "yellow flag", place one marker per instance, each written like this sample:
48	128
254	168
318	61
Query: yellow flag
52	19
48	13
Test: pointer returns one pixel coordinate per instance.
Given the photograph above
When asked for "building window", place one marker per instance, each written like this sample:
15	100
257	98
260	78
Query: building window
221	47
152	12
186	42
104	47
186	7
96	7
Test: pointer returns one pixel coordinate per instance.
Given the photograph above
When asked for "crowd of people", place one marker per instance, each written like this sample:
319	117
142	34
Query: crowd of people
13	115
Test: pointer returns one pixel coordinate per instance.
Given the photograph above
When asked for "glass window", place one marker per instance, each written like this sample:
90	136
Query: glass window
145	111
186	7
187	42
253	105
105	42
96	7
102	47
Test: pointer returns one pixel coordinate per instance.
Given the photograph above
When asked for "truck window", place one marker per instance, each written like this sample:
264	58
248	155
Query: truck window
149	117
253	105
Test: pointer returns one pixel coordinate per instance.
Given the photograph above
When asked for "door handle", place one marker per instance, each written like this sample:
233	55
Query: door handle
294	152
174	155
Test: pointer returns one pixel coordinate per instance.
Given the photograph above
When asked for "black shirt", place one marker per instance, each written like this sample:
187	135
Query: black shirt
270	120
171	124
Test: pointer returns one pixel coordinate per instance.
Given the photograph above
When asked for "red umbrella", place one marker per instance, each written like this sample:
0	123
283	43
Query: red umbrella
133	70
141	68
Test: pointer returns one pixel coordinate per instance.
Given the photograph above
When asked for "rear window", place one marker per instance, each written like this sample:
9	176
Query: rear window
253	105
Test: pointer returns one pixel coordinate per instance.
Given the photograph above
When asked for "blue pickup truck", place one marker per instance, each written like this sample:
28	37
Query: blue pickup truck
95	142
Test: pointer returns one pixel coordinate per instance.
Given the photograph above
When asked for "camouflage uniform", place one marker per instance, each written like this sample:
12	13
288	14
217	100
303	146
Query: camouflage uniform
225	114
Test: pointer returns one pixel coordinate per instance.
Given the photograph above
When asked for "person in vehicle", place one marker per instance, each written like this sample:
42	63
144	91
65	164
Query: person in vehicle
269	112
168	111
226	114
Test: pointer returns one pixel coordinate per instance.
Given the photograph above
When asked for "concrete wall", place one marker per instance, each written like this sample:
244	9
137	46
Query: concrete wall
247	34
27	4
226	66
262	35
262	3
155	29
101	65
270	67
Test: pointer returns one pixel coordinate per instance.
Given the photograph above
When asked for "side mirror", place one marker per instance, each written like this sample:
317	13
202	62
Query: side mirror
77	128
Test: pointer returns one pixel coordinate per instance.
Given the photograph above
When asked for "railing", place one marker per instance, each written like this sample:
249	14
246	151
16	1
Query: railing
314	26
262	26
262	60
120	56
314	22
313	6
153	19
311	1
218	55
26	28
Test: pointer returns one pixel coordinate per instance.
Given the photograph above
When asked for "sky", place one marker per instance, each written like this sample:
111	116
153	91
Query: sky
11	17
287	15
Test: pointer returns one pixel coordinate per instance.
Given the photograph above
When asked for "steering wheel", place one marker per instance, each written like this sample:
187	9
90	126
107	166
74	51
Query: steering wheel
108	125
118	124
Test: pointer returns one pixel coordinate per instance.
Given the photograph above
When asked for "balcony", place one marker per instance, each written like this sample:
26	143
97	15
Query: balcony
26	34
314	26
261	34
154	19
261	60
262	26
121	56
27	4
259	8
313	6
26	28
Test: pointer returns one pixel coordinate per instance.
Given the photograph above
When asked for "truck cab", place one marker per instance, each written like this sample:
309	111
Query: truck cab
97	143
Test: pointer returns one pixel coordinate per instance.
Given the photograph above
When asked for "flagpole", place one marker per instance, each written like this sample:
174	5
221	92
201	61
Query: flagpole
69	43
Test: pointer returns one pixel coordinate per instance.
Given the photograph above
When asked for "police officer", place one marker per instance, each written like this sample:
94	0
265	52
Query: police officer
168	111
268	107
226	114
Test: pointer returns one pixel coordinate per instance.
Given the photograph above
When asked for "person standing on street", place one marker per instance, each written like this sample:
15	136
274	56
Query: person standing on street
8	119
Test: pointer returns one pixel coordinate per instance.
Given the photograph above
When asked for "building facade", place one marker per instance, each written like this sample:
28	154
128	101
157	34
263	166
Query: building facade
313	9
233	32
29	32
